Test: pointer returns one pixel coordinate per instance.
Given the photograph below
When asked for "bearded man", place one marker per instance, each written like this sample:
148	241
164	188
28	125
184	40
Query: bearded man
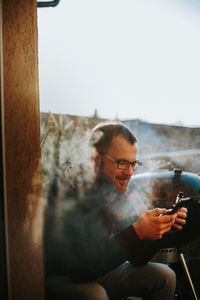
91	251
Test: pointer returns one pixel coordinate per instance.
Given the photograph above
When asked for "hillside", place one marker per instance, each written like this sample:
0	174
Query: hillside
65	136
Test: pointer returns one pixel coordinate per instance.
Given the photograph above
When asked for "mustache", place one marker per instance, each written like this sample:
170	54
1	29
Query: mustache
123	177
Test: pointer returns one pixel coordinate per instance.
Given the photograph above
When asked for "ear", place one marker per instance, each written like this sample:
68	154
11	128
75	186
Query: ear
96	159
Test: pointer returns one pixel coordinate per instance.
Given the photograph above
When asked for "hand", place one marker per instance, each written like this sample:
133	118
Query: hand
153	224
180	219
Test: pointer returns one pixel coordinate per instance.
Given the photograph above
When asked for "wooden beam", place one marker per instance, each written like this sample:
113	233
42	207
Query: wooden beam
21	150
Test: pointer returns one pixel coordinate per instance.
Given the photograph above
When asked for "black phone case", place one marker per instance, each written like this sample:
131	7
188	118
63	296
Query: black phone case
175	207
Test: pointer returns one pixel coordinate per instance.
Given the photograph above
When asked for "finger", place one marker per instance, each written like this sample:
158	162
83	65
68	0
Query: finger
167	229
183	209
158	235
167	218
182	215
180	221
158	211
177	226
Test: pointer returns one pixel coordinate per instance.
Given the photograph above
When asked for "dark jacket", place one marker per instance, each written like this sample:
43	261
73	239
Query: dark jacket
83	236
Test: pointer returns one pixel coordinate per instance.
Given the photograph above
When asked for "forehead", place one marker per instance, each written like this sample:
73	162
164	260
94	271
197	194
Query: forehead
120	148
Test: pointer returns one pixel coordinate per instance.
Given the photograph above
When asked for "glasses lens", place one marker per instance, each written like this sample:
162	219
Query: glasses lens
123	165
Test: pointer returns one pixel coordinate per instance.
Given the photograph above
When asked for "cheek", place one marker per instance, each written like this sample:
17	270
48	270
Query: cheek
109	169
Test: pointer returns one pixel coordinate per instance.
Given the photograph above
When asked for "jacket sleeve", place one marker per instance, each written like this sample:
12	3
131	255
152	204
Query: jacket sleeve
139	252
128	236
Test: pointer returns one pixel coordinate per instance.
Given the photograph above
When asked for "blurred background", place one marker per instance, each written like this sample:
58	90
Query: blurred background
134	61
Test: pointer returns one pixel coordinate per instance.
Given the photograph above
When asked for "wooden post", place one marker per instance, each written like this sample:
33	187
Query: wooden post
21	149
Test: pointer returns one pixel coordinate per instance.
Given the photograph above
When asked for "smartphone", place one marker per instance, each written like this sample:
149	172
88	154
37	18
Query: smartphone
175	208
177	204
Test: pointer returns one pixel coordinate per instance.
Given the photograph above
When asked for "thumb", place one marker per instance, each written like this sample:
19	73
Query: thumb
158	211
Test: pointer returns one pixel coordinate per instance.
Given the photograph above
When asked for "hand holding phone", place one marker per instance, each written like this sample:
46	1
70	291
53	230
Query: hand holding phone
176	205
174	209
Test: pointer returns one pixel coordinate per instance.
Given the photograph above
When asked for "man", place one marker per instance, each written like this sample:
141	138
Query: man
92	250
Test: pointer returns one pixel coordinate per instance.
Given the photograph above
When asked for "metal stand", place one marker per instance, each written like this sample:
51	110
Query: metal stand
185	267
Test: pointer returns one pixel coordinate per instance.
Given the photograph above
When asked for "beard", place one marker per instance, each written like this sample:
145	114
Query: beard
117	184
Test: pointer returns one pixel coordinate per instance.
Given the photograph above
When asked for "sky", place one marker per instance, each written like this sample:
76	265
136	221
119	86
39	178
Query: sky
129	59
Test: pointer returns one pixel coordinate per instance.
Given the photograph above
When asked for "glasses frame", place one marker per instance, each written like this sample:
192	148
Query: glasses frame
118	161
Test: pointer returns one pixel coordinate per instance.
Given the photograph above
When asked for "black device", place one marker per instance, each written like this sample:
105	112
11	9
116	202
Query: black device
177	204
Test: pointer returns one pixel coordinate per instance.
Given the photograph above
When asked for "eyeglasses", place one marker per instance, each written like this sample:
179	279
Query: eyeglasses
123	164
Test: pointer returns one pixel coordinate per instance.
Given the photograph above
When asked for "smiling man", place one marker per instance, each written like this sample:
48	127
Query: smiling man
91	253
119	148
116	154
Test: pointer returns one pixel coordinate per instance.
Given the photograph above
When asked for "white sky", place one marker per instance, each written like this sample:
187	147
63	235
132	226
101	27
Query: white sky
126	58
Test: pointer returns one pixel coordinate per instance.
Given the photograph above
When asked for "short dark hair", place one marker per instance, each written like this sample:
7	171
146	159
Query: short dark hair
104	132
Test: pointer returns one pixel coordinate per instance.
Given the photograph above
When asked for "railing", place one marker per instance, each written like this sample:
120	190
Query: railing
47	3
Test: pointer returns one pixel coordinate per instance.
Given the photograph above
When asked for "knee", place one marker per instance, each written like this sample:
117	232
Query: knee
58	288
163	282
167	276
97	292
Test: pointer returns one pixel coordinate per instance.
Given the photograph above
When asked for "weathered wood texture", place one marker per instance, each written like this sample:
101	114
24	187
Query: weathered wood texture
22	149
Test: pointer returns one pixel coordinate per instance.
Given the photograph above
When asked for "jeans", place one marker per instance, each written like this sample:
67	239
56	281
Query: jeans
152	281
